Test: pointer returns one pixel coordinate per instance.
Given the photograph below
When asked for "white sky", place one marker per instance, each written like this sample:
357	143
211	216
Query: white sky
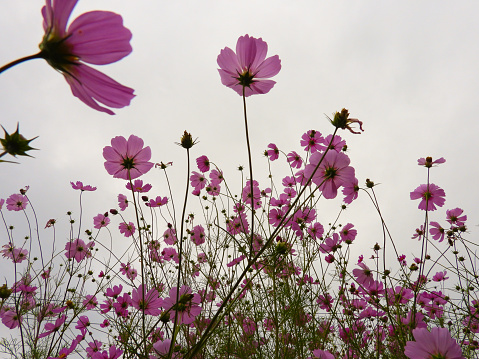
407	69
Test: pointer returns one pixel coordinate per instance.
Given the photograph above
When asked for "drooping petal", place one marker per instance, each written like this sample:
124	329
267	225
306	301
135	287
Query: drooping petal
90	85
260	87
99	37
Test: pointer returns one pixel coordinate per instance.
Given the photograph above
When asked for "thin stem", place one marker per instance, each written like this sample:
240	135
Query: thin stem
250	171
180	238
23	59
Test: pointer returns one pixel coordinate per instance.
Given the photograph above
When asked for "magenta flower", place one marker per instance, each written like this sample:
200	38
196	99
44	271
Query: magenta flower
364	276
127	229
122	201
351	191
198	235
294	159
203	163
332	173
312	141
428	162
17	202
127	159
435	344
82	324
248	69
148	302
79	185
138	186
454	217
11	318
51	327
431	195
187	307
198	180
216	177
100	221
273	152
322	354
78	249
436	231
96	37
158	202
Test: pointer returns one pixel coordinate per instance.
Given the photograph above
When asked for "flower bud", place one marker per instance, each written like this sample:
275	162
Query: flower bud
5	292
15	144
187	141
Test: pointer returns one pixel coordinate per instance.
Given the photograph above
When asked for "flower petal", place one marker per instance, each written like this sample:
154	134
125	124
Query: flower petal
246	51
269	68
99	37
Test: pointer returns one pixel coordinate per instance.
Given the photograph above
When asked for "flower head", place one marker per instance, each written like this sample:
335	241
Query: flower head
79	185
17	202
127	159
428	162
248	69
431	195
96	37
437	344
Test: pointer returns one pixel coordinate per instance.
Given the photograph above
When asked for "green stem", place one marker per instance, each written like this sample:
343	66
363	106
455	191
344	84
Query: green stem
40	55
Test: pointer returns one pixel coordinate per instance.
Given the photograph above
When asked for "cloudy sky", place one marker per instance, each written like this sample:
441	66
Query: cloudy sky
407	69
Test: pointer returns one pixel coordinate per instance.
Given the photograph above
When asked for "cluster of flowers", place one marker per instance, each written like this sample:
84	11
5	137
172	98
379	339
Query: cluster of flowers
230	286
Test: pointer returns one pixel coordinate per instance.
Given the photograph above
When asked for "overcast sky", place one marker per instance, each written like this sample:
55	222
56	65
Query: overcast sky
408	69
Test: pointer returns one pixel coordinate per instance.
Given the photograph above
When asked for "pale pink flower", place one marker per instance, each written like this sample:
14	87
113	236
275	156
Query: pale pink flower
170	236
127	159
78	249
198	235
431	196
437	231
100	220
322	354
148	302
53	327
247	69
122	202
90	301
79	185
138	186
428	162
337	144
454	217
440	276
96	37
203	163
11	318
333	172
187	307
17	202
127	229
216	176
157	202
435	344
198	180
364	276
351	191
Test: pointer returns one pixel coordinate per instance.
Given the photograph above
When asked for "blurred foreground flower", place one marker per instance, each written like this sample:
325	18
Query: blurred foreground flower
15	144
96	37
127	159
248	68
435	344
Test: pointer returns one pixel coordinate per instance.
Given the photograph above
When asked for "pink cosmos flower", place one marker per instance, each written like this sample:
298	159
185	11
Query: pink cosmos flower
454	217
316	230
440	276
78	249
351	191
203	163
90	302
428	162
312	141
96	37
332	173
82	324
431	195
170	236
100	220
138	186
17	202
198	235
50	327
149	302
79	185
255	197
330	244
11	319
198	180
364	276
322	354
157	202
273	152
337	144
348	233
127	159
122	202
216	176
436	231
247	69
187	307
127	229
294	159
435	344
